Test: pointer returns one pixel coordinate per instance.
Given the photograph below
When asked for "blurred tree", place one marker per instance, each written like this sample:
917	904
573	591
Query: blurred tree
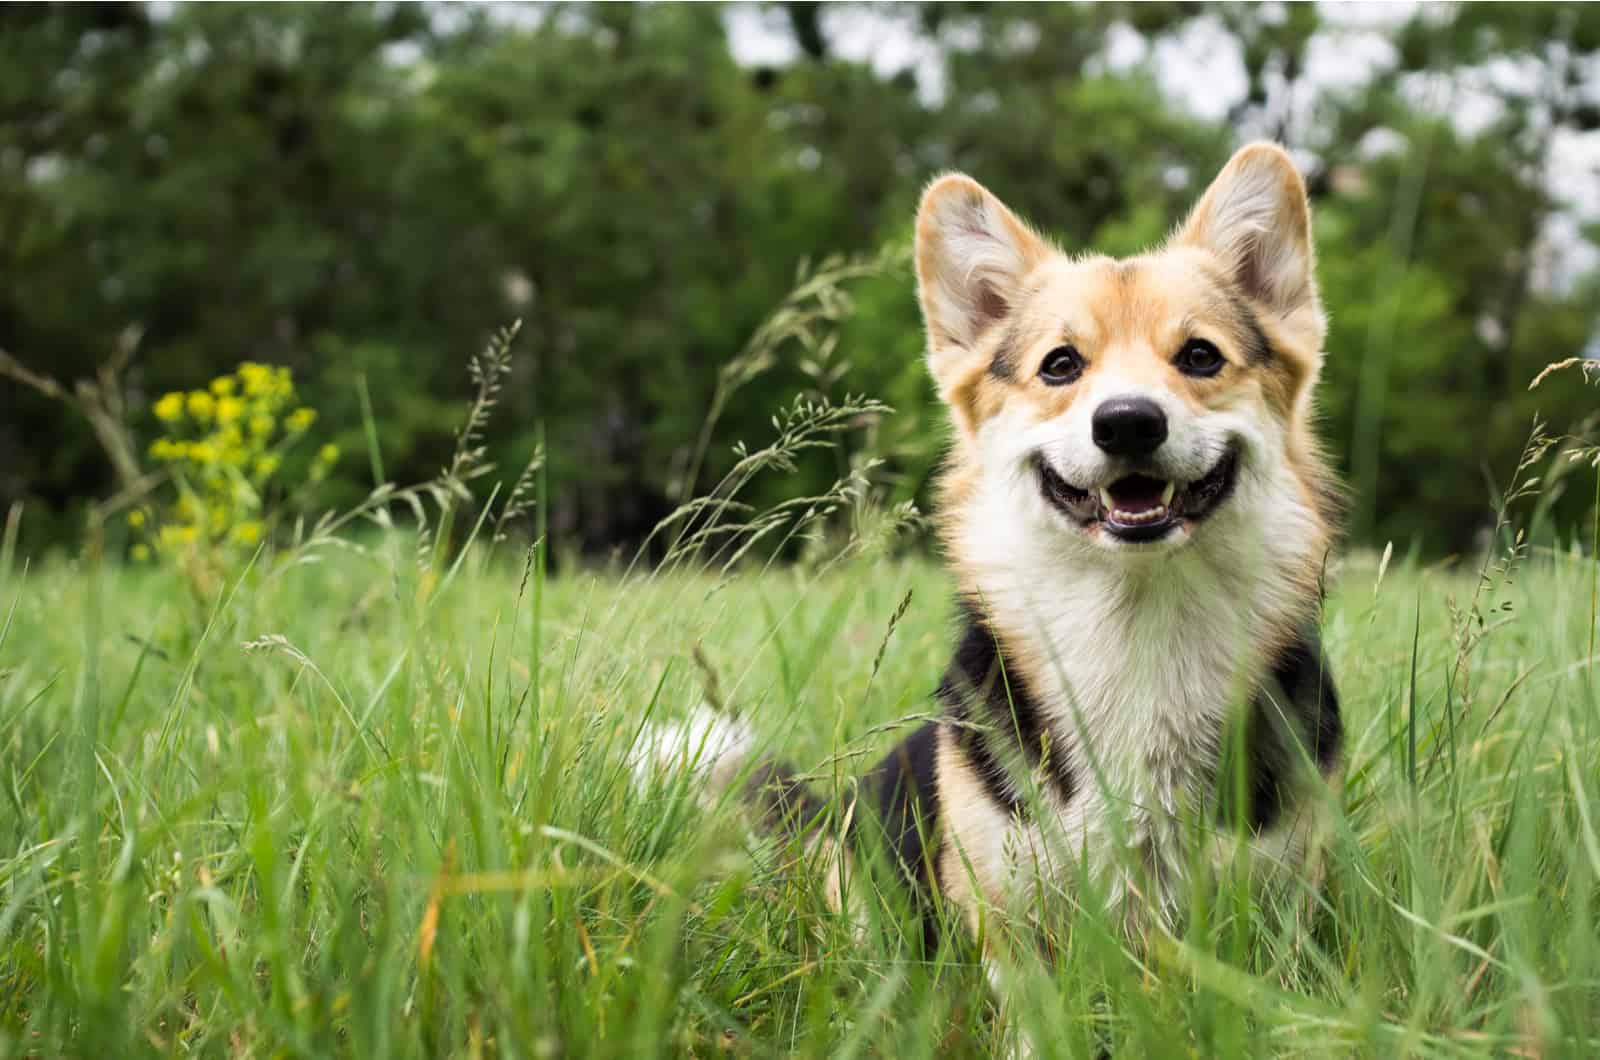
206	176
1437	337
66	92
366	192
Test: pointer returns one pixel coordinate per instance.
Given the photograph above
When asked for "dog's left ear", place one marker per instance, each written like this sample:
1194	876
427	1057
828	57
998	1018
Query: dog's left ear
1255	219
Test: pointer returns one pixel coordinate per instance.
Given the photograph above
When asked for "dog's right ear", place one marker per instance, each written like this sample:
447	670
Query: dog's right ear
972	256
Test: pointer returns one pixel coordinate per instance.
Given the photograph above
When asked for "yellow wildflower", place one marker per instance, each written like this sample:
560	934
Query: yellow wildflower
218	441
170	408
172	536
200	406
257	378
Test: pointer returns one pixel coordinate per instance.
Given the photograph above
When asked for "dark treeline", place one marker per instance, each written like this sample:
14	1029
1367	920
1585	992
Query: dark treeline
368	192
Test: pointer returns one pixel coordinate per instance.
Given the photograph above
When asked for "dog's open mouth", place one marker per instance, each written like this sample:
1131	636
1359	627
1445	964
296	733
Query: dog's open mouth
1139	507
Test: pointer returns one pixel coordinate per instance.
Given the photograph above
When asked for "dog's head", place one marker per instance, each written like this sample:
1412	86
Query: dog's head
1130	406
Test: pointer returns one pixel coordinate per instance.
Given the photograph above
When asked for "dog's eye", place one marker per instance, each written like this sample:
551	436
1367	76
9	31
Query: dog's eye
1199	357
1061	366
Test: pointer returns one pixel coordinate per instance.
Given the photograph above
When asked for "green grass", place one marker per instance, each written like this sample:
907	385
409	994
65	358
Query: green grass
370	837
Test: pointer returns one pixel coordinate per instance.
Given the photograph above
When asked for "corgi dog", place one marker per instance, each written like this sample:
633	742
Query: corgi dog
1137	515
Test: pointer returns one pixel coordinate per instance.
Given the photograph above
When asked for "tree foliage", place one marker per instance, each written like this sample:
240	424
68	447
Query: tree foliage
365	193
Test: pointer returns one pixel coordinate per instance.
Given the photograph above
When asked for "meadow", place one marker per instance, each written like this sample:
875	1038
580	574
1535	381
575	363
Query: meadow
380	805
363	786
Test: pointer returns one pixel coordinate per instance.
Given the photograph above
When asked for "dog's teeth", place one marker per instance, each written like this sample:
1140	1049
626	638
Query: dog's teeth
1166	494
1133	519
1149	515
1105	498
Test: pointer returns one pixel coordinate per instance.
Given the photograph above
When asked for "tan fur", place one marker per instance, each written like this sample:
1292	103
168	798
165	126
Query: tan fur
1136	652
1242	256
968	824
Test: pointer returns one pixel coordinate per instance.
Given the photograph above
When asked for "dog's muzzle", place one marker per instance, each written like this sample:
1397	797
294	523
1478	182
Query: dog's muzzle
1141	507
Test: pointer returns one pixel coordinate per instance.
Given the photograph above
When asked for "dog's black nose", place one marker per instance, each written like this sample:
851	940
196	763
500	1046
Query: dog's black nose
1129	426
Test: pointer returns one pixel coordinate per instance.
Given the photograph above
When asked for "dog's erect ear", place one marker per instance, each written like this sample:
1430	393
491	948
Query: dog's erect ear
1256	220
972	255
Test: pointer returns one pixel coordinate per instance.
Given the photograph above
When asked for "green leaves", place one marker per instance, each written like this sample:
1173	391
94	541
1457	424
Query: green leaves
366	191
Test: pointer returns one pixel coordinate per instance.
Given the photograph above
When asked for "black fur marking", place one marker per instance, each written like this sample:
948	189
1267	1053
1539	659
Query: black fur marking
903	791
1303	674
974	744
898	816
1297	706
900	819
786	802
993	705
1004	363
1258	348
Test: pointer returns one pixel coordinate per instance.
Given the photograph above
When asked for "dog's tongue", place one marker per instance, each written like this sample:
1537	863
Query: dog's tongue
1137	493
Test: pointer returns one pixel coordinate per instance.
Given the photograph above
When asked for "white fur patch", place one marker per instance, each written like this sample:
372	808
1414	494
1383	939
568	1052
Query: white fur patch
712	747
1146	650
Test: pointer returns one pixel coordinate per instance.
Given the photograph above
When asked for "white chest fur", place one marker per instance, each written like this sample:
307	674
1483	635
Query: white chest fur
1136	661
